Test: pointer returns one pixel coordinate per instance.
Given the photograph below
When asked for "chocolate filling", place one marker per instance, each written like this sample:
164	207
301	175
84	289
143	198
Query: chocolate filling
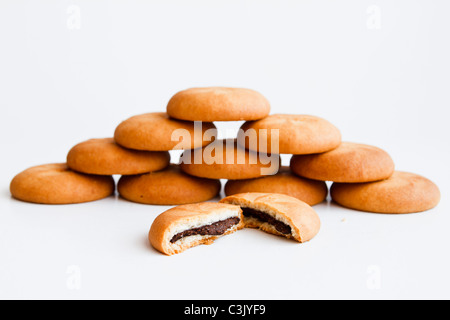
215	229
264	217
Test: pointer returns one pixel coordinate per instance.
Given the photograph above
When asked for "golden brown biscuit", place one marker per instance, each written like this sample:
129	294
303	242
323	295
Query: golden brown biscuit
297	134
277	214
158	132
402	193
105	157
285	182
349	163
223	159
57	184
168	187
218	104
184	227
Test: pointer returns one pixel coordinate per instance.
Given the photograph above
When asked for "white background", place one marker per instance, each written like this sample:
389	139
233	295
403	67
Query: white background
379	70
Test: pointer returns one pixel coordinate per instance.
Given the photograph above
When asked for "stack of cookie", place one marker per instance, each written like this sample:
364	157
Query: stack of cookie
364	176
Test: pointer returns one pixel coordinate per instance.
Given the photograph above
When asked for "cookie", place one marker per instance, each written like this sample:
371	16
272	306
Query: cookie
167	187
224	159
349	163
105	157
293	134
218	104
285	182
402	193
57	184
158	132
187	226
277	214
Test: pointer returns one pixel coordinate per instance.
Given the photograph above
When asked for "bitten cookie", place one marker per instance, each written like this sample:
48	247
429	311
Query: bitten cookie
105	157
57	184
285	182
187	226
297	134
277	214
218	104
349	163
224	159
167	187
158	132
402	193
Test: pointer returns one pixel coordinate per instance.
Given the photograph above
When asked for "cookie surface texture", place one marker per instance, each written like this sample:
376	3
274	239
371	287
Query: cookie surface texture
167	187
349	163
159	132
294	134
105	157
218	104
57	184
285	182
402	193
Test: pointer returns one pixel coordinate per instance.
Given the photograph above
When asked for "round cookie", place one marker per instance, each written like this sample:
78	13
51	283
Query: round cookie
57	184
284	182
224	159
297	134
158	132
218	104
167	187
402	193
105	157
349	163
